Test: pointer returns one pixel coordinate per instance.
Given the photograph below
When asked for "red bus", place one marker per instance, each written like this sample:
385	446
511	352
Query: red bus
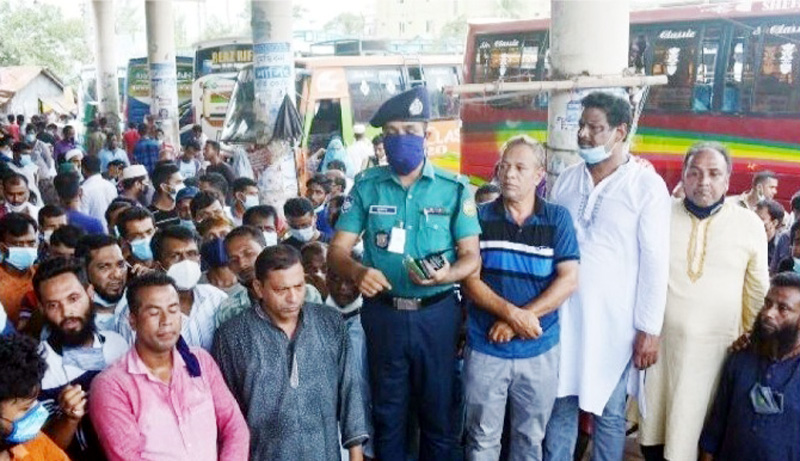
733	71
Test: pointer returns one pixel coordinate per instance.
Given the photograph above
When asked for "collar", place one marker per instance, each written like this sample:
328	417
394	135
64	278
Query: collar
263	316
703	212
500	208
136	366
20	452
427	172
350	308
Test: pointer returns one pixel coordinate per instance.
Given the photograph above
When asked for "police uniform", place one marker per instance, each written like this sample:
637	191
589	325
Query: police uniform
411	330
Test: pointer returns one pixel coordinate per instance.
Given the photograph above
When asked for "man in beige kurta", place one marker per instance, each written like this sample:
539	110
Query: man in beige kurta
717	281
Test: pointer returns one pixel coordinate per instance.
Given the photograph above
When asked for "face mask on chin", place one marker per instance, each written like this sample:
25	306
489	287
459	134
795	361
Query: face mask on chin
596	154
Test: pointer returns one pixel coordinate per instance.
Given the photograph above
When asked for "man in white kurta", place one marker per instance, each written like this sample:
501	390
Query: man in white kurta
717	281
620	210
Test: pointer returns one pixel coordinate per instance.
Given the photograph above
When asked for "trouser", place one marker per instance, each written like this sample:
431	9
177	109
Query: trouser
608	441
528	385
653	452
412	357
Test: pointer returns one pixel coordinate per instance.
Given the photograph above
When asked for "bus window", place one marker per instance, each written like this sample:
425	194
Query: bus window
510	57
704	80
776	84
437	77
738	90
370	87
674	53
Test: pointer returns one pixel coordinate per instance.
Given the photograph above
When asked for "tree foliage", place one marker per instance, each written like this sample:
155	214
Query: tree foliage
346	25
39	35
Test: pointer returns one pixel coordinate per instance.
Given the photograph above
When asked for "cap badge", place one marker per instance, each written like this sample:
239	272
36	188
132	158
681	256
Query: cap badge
415	108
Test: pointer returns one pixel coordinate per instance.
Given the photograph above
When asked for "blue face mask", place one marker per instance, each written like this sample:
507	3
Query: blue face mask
30	138
27	428
21	258
141	249
796	265
594	155
404	152
188	223
25	160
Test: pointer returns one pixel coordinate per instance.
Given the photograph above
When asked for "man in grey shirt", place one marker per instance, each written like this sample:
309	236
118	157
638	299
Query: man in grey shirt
291	368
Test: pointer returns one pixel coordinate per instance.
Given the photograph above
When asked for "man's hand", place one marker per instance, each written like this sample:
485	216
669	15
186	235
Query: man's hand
72	402
741	343
501	332
645	350
439	277
524	323
371	282
138	269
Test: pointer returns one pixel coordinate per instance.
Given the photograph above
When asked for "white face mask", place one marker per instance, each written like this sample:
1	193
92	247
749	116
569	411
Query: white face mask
271	238
304	235
185	274
17	208
47	234
250	201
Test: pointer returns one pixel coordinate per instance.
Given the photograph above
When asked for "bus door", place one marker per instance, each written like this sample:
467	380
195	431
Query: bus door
324	107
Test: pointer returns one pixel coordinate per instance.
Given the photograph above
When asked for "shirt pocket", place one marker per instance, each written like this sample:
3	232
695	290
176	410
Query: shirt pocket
434	234
379	229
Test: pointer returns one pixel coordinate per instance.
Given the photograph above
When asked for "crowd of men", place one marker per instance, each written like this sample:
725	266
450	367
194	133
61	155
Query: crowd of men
153	308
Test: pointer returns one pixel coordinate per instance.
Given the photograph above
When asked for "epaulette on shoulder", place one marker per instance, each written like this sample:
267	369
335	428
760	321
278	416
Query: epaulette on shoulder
450	176
372	173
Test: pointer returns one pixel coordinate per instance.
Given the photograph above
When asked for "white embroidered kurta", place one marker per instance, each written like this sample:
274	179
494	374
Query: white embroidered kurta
622	226
717	282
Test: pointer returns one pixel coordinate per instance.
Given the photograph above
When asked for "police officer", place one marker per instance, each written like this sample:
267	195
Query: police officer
410	213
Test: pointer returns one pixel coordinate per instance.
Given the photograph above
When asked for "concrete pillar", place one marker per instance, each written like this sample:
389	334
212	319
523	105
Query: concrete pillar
161	61
586	37
273	65
106	63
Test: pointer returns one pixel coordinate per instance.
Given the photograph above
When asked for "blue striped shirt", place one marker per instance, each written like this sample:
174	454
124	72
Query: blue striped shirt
519	263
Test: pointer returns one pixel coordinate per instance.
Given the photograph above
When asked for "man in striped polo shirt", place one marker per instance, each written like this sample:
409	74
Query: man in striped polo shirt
530	267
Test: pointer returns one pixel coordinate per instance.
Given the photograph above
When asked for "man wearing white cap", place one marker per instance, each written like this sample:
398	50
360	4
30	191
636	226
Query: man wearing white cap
361	150
75	157
135	183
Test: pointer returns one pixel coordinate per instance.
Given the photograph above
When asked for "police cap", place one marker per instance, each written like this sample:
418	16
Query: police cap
412	105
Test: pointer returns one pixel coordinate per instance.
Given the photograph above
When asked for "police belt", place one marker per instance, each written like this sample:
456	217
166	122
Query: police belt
412	304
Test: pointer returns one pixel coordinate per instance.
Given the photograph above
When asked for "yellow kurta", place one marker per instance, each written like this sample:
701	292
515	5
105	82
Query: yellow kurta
717	281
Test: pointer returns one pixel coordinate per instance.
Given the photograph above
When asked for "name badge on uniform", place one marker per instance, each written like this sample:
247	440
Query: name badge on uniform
383	209
397	241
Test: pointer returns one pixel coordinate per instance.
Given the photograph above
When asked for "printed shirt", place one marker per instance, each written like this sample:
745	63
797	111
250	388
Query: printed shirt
519	263
314	390
139	417
435	211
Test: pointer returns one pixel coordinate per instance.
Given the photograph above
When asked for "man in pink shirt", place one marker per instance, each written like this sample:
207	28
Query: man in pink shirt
163	400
